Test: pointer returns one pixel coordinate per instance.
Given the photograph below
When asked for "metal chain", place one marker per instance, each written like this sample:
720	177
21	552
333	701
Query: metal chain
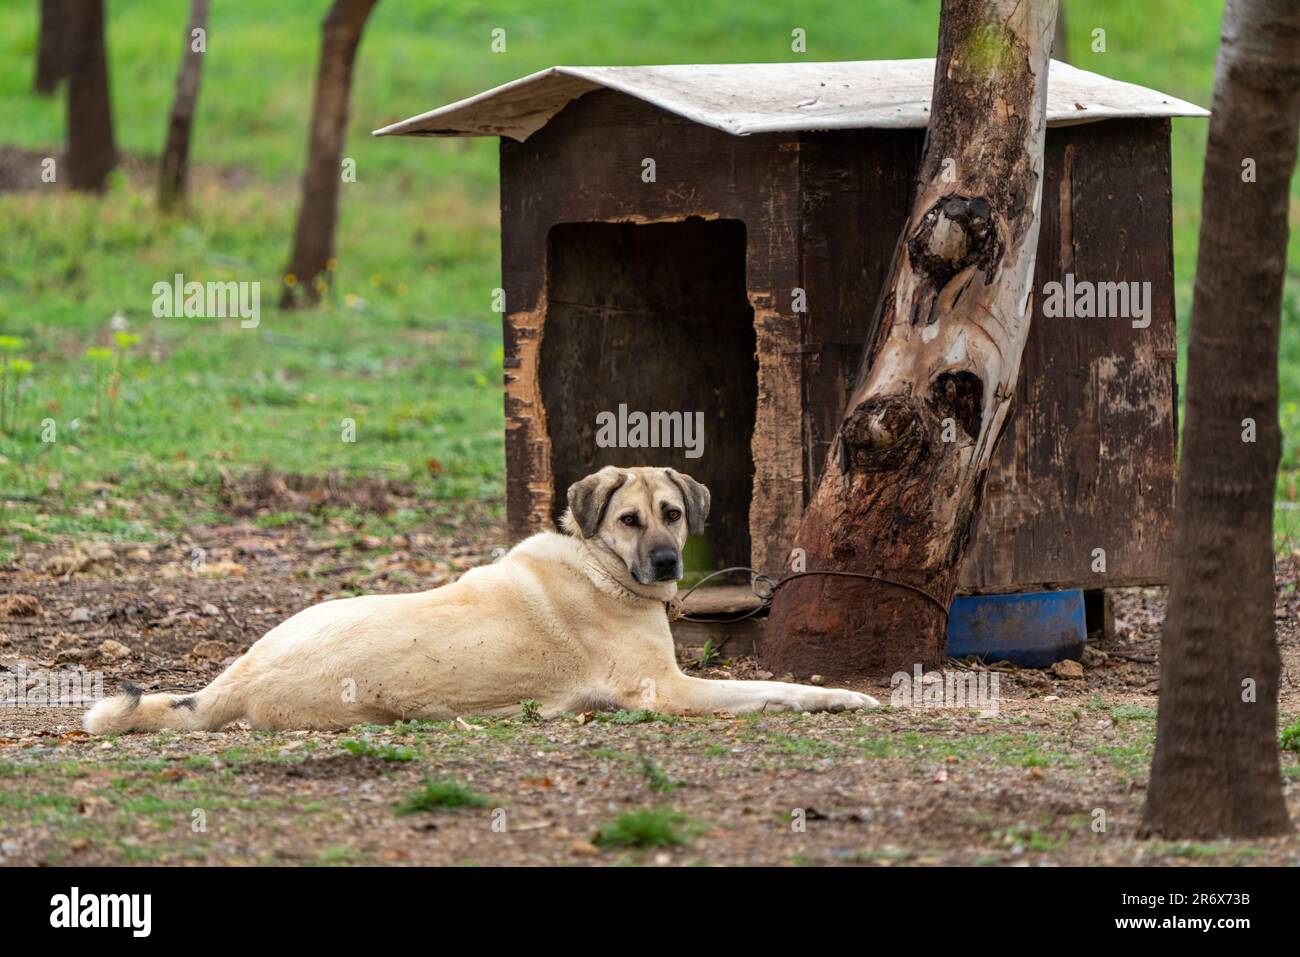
766	596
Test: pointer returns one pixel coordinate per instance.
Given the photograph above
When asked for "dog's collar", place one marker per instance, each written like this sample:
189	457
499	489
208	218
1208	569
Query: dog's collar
609	585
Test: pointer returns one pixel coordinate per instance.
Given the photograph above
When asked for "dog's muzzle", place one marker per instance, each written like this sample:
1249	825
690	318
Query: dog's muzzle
666	564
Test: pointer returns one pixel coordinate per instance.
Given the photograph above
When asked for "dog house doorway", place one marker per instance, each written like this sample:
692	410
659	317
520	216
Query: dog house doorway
651	319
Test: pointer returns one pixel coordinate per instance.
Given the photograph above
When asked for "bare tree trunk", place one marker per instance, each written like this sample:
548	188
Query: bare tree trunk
1215	771
313	243
904	476
52	51
91	151
1060	39
174	169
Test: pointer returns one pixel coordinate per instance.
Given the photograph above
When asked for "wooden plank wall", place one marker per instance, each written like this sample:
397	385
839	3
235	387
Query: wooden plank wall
586	165
655	318
1087	460
1088	457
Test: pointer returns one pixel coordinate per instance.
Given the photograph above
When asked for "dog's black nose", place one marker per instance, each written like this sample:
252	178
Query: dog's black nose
664	562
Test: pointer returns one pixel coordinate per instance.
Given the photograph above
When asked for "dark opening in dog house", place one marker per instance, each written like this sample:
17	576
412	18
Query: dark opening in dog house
649	328
715	238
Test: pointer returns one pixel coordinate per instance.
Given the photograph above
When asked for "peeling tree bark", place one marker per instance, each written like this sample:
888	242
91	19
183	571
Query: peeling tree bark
1215	771
313	242
906	470
176	154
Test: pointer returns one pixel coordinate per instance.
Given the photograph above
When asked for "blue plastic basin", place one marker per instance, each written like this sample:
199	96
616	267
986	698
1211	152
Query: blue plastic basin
1032	630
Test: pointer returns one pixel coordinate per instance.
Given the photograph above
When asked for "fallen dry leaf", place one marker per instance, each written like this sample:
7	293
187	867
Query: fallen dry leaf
212	650
20	606
79	559
114	650
221	569
1067	669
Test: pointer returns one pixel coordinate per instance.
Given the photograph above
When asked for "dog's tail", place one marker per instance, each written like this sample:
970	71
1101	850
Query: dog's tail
206	710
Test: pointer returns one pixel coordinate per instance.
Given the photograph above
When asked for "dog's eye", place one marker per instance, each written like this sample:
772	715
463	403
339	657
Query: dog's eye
629	521
673	514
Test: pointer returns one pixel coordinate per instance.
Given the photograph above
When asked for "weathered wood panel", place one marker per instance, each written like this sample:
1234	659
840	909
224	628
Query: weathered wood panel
1088	457
728	638
1087	460
855	194
586	166
656	319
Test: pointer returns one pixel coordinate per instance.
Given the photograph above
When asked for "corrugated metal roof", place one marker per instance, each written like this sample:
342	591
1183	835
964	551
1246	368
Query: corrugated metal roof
744	98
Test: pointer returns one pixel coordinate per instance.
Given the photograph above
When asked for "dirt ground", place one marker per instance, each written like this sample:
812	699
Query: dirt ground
1055	774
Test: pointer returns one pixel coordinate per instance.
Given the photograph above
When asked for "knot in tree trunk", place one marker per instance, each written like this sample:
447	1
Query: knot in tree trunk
884	433
956	232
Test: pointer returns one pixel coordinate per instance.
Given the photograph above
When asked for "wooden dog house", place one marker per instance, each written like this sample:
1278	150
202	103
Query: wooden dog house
714	239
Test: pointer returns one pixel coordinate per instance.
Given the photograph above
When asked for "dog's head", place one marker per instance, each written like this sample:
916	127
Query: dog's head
641	515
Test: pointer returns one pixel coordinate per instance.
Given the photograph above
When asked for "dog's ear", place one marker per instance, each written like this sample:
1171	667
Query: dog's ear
589	498
696	497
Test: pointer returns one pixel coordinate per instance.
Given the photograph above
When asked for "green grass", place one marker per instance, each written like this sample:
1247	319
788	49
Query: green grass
1200	851
1027	749
1035	840
647	827
409	347
441	793
384	751
642	716
709	655
335	854
1289	739
802	746
1120	713
656	778
135	799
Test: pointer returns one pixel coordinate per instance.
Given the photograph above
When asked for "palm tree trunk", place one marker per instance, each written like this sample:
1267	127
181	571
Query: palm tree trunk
1215	771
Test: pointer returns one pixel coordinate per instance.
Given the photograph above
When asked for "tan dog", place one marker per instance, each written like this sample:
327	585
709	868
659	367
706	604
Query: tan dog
574	621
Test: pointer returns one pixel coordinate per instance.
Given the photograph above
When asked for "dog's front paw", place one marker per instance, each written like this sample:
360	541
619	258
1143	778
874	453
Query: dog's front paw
832	699
840	699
